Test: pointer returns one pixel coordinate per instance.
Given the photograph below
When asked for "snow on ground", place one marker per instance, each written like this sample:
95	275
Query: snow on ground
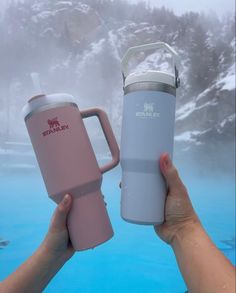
42	16
83	8
64	3
228	81
190	107
155	61
188	136
46	14
37	7
185	110
113	39
204	93
145	29
224	83
49	31
231	118
95	49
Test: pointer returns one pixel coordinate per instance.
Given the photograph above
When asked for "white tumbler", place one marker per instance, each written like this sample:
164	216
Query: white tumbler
147	132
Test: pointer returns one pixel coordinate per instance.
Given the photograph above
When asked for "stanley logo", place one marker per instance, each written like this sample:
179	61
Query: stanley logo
148	111
53	123
54	126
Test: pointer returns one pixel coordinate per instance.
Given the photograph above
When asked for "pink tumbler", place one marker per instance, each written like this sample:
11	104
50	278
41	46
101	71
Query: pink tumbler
68	163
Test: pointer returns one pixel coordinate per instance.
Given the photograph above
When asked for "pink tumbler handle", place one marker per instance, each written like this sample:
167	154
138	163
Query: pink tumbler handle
109	135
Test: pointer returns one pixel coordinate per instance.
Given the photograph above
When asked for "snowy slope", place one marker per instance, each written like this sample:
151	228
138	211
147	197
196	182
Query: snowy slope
78	49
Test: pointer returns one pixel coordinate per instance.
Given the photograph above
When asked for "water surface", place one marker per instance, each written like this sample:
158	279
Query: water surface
135	260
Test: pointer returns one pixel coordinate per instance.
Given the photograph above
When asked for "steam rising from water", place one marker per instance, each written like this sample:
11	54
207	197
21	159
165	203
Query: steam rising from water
80	55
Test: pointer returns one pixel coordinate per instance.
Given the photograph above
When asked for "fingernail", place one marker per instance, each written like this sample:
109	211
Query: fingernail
66	199
167	161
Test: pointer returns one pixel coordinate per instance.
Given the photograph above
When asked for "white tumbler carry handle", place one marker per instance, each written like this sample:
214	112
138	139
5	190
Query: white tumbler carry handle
159	45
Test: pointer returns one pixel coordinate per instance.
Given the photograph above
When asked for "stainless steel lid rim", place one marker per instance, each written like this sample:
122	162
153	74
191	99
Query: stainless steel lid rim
43	100
150	86
48	107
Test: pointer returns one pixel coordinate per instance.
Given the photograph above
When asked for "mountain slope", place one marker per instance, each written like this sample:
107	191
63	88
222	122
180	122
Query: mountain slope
77	46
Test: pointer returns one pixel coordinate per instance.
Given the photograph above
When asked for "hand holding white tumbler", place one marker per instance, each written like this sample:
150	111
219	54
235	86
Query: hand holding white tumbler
147	131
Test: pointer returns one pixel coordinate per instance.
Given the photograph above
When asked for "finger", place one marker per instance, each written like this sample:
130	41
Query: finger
170	173
61	212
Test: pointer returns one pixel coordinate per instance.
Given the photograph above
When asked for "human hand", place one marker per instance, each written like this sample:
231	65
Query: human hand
57	242
179	213
37	271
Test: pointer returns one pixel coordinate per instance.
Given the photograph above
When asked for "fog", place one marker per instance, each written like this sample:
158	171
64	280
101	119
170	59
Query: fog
218	6
76	47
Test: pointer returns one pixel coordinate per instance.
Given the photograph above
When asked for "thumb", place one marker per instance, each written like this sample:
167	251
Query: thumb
170	173
60	215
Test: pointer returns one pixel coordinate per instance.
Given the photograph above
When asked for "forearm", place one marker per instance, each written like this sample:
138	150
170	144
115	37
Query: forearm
33	275
204	267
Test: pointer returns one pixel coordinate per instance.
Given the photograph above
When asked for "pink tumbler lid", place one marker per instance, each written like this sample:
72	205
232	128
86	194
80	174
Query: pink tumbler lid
40	101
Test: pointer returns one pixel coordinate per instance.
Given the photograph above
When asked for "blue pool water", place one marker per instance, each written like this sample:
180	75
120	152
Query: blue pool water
135	260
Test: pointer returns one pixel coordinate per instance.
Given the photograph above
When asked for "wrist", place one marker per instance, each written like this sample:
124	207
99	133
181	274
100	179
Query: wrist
188	230
50	256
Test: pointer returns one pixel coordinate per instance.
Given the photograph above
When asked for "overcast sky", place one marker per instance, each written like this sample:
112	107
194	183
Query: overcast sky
179	7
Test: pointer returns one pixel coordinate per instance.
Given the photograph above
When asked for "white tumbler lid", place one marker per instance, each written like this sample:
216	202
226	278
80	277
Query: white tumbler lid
150	76
43	100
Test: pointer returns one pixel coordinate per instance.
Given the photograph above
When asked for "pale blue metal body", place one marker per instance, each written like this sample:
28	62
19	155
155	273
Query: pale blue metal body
147	131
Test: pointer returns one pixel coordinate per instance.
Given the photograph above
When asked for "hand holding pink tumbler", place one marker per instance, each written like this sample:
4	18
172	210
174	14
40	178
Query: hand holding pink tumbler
68	163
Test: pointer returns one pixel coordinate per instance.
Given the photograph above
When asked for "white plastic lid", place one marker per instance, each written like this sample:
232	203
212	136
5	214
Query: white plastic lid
42	100
150	76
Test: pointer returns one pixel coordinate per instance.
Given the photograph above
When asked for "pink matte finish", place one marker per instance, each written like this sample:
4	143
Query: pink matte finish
89	218
68	165
107	130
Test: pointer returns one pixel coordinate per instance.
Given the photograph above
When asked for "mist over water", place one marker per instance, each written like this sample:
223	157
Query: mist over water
76	47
